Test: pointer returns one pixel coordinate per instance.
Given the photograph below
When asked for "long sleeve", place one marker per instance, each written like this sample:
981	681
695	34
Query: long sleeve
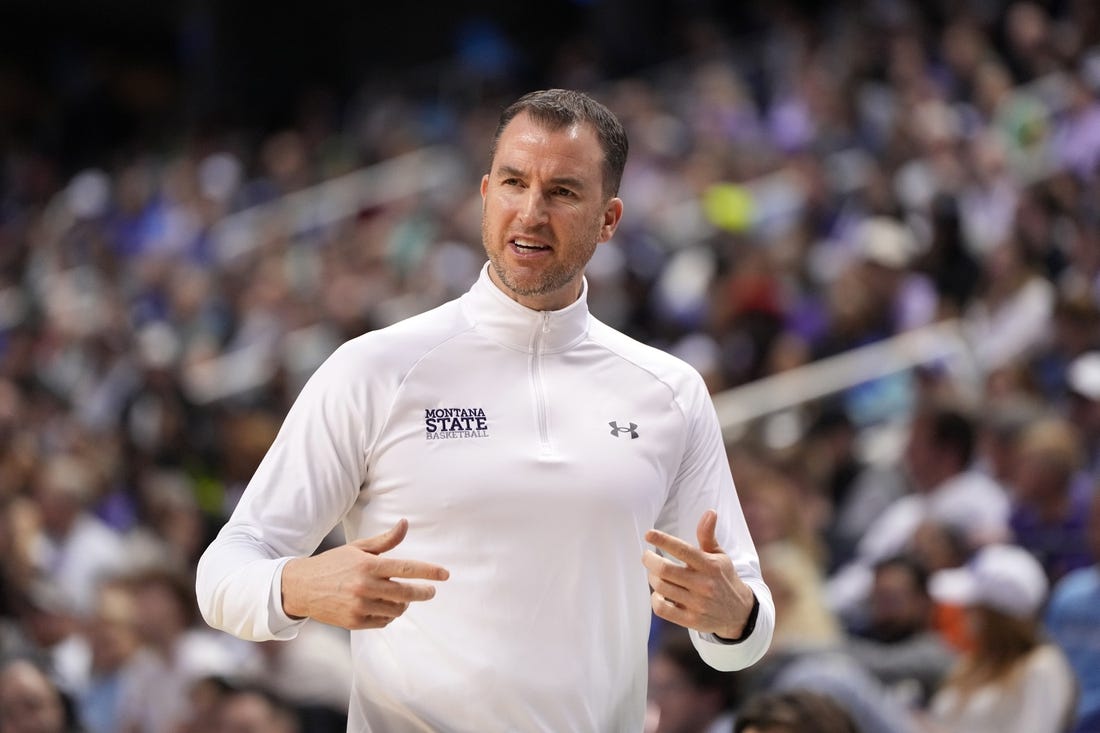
307	482
704	482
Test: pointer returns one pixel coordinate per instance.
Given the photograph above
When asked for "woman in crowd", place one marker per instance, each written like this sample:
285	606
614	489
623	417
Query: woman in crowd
1012	680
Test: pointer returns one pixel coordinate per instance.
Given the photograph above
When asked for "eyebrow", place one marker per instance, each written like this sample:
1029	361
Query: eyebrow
567	181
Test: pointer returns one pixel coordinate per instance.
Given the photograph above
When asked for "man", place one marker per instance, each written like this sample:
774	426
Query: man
947	491
255	710
1072	619
1051	497
517	450
794	711
898	645
686	695
30	702
156	695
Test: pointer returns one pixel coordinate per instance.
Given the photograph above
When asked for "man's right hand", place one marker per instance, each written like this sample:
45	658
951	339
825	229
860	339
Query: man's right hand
353	586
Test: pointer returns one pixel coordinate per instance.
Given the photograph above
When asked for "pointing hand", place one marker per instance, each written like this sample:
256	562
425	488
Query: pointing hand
705	593
354	586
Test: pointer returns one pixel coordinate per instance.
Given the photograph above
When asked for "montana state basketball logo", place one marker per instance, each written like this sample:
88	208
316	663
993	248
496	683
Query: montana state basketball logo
445	423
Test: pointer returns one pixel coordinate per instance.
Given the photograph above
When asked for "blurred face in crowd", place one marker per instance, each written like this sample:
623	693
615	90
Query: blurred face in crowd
684	708
898	606
544	210
247	712
29	703
159	616
113	632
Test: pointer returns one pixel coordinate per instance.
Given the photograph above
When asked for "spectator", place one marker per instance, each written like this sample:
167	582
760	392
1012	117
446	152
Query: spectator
31	703
175	655
1001	425
1009	321
887	248
312	672
75	548
807	654
1050	497
114	642
795	711
152	328
938	460
898	645
254	710
1012	681
686	695
953	270
1073	620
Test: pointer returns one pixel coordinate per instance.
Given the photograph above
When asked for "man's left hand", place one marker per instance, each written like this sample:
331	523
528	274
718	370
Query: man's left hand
705	593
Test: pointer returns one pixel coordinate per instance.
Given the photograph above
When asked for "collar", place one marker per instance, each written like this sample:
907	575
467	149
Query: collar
518	327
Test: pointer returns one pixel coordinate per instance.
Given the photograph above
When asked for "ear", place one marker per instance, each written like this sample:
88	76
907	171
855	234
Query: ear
484	185
612	215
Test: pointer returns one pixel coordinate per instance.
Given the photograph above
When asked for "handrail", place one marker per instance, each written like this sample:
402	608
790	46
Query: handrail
336	199
943	342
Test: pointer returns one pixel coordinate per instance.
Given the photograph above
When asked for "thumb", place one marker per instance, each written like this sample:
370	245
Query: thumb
386	541
705	532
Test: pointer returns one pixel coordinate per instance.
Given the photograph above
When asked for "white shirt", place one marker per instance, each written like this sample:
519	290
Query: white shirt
156	691
530	452
970	501
80	561
1035	697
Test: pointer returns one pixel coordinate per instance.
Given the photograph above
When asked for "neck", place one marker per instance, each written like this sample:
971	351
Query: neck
553	301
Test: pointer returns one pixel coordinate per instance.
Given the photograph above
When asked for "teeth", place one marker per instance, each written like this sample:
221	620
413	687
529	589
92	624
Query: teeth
528	245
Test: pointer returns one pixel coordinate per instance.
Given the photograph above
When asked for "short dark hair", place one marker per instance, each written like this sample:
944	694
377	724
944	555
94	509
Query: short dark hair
794	711
675	645
558	108
949	428
909	565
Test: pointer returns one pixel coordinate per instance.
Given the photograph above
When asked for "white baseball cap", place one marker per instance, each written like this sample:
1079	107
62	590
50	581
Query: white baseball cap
886	242
1005	578
1083	375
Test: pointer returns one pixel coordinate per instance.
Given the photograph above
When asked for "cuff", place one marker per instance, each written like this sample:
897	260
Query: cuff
750	626
280	624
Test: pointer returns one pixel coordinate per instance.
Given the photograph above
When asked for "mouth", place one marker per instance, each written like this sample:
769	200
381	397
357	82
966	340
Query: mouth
528	246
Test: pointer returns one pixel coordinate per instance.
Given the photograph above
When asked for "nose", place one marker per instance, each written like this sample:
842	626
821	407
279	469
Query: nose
532	208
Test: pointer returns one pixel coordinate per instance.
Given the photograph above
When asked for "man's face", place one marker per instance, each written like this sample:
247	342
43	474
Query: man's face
544	211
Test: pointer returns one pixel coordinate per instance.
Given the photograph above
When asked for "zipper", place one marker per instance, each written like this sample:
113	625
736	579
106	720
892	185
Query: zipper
537	386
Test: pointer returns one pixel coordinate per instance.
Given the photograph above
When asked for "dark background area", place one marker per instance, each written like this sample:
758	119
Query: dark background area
81	79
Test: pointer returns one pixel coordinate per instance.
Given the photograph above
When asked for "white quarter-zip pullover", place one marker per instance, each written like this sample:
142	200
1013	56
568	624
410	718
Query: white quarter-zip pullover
530	452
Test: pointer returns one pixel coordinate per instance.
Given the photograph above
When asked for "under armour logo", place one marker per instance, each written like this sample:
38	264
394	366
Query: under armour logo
616	430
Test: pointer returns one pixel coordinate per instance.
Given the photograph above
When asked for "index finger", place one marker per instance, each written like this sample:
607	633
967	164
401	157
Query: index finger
392	567
687	553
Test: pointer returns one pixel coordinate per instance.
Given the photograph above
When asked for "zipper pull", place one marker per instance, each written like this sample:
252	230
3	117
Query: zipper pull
546	323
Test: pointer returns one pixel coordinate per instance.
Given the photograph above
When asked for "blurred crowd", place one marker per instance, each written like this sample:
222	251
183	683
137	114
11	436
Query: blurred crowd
839	179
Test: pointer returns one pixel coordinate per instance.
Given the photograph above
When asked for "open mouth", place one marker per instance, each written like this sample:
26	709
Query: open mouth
522	245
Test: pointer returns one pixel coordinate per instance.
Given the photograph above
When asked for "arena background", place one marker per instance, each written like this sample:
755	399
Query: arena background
843	214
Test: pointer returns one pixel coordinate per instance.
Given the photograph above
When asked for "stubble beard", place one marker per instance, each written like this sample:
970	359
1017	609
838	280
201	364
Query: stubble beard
553	277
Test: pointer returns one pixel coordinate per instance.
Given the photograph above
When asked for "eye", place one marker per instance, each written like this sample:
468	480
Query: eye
564	192
510	182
